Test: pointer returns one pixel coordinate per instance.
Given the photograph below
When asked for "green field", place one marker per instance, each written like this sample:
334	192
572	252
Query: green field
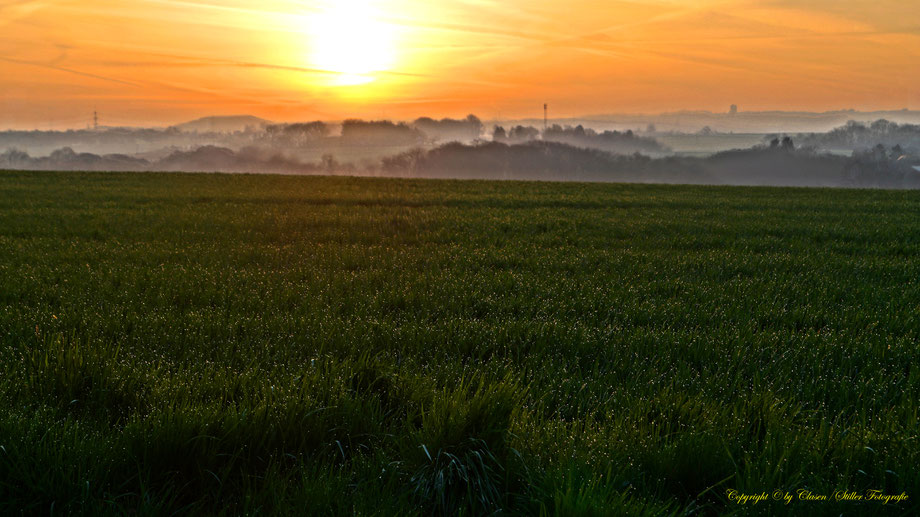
180	343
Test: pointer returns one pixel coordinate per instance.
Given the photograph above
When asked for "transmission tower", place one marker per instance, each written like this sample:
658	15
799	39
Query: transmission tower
545	112
95	121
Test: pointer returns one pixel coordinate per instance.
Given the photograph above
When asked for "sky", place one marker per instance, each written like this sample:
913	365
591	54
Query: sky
159	62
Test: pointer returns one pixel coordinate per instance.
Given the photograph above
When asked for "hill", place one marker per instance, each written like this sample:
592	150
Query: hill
222	124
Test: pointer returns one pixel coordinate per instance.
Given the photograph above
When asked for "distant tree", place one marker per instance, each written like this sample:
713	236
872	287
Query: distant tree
774	143
883	126
329	164
611	141
787	144
406	162
474	122
14	158
859	136
450	130
523	134
499	134
380	132
296	134
880	153
878	167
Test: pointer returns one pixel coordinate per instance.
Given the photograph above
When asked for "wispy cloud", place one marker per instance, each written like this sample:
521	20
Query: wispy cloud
12	11
68	71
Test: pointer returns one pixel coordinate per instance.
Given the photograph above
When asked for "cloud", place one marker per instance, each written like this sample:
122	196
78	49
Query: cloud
12	11
67	70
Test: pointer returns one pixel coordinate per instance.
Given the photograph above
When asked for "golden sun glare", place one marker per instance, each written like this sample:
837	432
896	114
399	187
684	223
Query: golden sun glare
348	38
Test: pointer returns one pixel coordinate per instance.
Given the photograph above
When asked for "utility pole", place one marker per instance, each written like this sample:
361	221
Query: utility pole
95	121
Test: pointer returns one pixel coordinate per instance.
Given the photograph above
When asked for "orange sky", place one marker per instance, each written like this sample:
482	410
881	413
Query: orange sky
164	61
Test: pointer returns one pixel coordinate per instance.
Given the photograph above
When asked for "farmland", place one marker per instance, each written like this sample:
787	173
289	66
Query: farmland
254	344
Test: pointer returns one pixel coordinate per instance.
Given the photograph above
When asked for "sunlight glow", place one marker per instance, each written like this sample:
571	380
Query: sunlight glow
163	61
349	38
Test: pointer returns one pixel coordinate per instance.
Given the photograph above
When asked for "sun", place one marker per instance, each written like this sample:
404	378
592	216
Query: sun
348	38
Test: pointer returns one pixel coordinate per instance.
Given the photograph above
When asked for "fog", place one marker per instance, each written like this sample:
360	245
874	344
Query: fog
879	153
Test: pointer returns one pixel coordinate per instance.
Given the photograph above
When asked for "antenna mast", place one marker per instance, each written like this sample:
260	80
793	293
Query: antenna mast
545	110
95	121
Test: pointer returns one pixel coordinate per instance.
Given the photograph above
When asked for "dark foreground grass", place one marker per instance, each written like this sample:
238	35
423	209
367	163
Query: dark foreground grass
281	345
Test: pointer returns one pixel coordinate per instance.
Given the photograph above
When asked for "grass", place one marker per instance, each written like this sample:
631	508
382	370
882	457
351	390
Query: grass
216	344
